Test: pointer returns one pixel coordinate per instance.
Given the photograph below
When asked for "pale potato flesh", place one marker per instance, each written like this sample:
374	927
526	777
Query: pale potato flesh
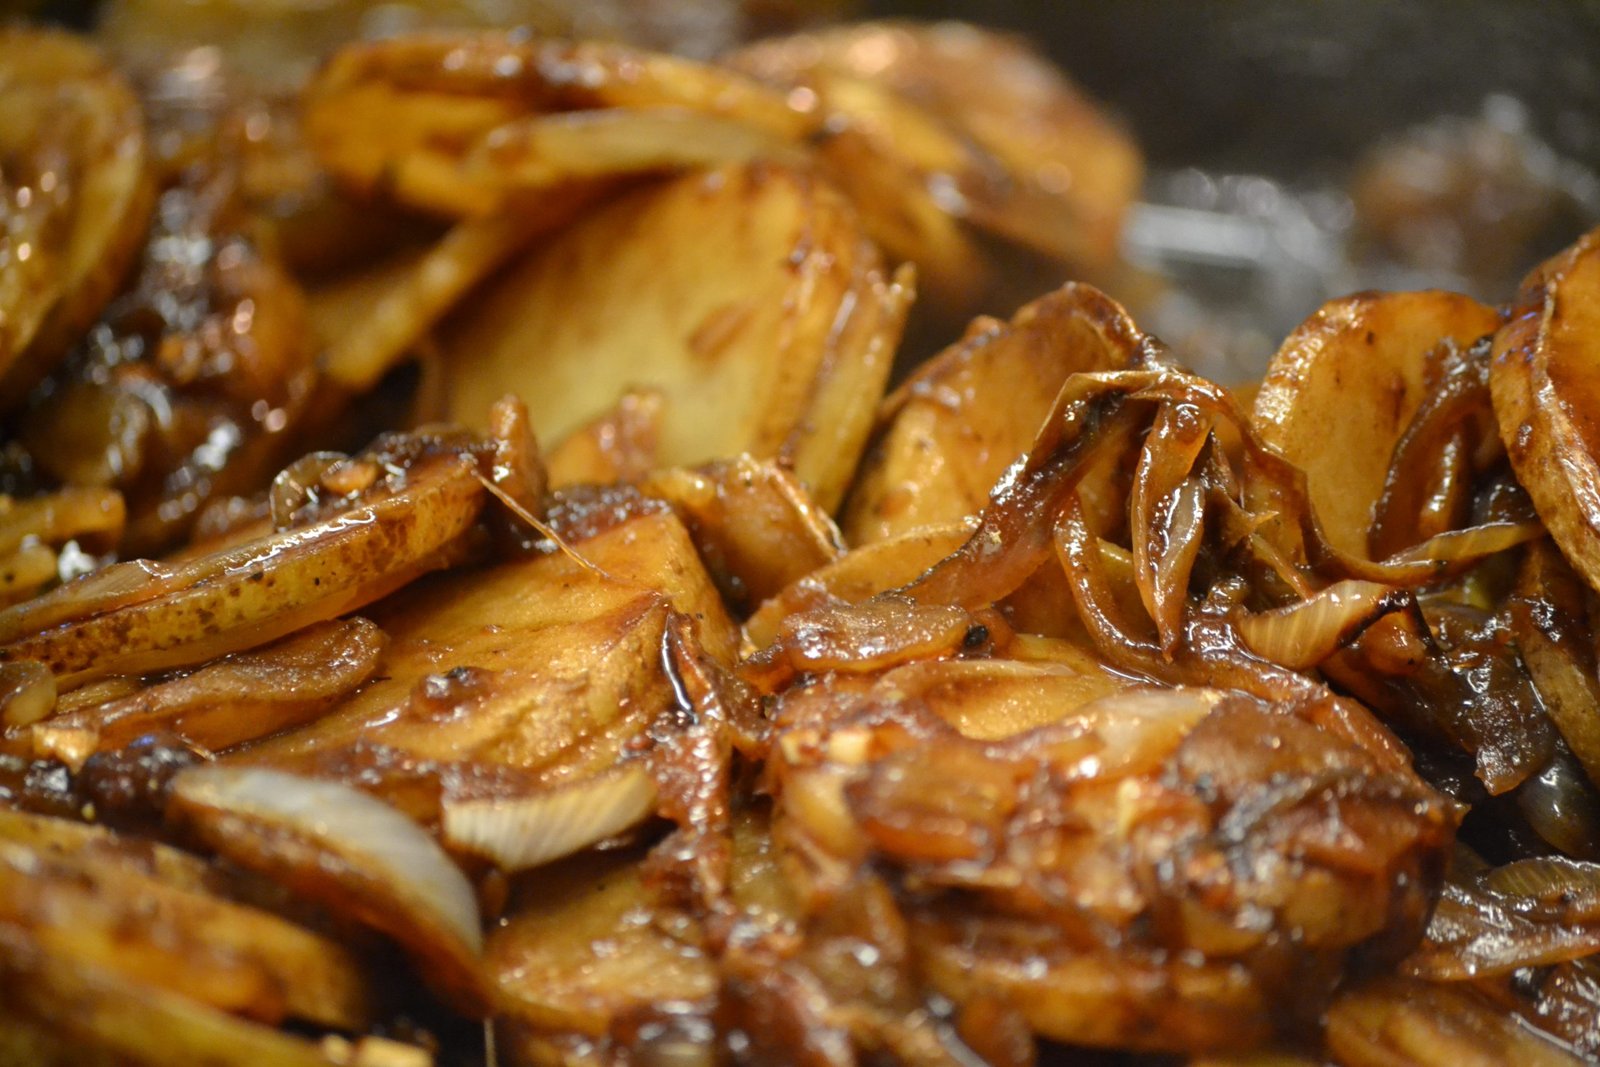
1343	388
723	292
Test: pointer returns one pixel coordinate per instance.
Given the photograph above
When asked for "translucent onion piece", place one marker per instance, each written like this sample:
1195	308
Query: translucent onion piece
1394	1021
1553	887
27	692
1560	804
547	150
523	832
1477	934
348	851
1164	513
228	701
1302	635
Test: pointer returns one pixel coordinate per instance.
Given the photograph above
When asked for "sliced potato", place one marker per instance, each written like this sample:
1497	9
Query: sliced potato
990	126
1343	387
549	151
1544	382
968	414
1553	630
875	567
403	116
747	297
994	699
1434	1024
140	617
76	220
552	689
578	953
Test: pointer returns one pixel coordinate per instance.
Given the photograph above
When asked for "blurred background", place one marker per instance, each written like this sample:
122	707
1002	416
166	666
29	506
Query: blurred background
1295	151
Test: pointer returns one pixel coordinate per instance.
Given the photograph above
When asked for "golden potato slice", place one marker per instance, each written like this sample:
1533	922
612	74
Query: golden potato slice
746	296
140	617
402	116
548	151
992	128
368	320
77	192
959	422
500	682
578	955
1551	622
1343	387
52	836
1545	381
1434	1024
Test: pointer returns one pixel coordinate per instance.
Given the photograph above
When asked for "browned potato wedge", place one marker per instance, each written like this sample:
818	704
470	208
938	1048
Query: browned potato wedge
1429	1024
403	116
549	151
995	131
994	699
1343	388
76	191
51	836
746	296
969	413
1546	385
368	320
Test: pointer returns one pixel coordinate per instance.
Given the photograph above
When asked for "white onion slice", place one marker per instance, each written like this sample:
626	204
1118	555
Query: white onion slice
524	832
1302	635
350	852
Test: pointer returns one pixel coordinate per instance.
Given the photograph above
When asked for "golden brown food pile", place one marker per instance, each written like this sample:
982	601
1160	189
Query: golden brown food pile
473	597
